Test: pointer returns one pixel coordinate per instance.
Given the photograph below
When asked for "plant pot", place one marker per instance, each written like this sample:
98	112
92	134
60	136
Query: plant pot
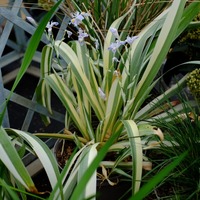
172	72
61	152
121	190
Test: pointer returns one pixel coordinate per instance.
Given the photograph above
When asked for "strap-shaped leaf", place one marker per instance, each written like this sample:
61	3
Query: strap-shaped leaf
63	93
43	91
136	151
70	57
82	107
44	154
87	157
13	162
165	39
158	101
136	53
82	53
113	107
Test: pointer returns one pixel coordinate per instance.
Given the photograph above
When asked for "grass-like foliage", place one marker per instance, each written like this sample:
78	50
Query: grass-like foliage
182	134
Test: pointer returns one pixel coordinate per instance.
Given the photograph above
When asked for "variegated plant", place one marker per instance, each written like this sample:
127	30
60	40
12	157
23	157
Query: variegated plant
89	84
103	89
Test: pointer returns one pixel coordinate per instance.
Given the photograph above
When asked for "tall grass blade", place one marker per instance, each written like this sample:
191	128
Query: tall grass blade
146	189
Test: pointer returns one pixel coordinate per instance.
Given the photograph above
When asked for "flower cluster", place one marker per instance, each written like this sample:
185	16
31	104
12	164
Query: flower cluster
78	17
49	26
115	45
76	20
193	83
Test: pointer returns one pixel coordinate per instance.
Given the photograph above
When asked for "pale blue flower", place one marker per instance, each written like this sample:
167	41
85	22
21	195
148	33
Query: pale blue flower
69	33
96	44
114	32
77	19
121	42
50	25
130	40
102	94
114	59
81	35
32	21
115	45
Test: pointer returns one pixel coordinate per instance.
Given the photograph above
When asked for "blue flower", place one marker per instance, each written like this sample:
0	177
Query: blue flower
81	35
69	33
115	45
32	21
50	25
96	44
114	32
77	19
114	59
130	40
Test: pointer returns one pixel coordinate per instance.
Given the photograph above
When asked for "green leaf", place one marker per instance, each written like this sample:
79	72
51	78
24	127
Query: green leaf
164	41
113	107
44	154
136	152
43	91
8	189
66	97
146	189
71	58
88	156
94	165
13	162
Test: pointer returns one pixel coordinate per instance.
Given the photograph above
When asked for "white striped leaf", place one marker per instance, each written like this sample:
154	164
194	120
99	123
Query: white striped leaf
71	58
43	152
113	107
136	151
60	89
13	162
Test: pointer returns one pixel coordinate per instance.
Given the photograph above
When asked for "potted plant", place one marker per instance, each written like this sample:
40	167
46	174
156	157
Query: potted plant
16	182
109	85
152	59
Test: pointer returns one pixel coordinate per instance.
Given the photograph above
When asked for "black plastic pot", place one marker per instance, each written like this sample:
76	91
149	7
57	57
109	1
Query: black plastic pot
172	71
122	190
